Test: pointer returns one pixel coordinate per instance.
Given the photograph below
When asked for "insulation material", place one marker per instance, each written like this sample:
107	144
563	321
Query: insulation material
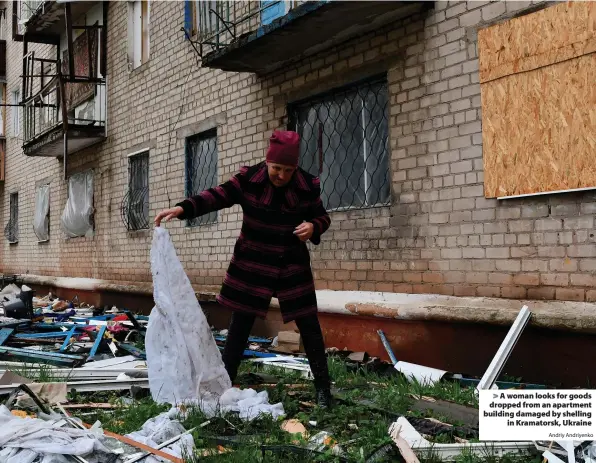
41	219
78	212
539	120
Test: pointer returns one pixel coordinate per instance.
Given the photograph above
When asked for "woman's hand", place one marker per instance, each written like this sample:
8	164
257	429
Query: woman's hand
168	214
304	231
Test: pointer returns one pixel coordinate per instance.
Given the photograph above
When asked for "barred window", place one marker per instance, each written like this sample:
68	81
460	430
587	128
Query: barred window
135	208
11	231
344	141
201	169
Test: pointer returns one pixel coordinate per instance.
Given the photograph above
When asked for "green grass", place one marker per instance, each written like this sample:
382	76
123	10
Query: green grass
357	429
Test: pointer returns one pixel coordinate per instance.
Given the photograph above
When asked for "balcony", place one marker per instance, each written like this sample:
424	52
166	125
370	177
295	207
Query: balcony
57	103
41	18
261	37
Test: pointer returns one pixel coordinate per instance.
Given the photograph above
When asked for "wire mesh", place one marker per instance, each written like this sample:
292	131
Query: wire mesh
135	205
11	231
345	141
201	169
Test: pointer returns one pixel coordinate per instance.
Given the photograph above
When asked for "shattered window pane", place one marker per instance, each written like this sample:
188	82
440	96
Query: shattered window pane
201	169
77	218
344	140
41	219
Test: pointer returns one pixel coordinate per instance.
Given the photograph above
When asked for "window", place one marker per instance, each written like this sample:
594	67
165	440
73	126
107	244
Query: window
344	141
199	16
3	110
138	32
201	169
16	112
135	207
77	218
41	219
11	231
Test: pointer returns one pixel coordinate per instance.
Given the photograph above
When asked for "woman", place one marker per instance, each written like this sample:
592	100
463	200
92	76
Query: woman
282	210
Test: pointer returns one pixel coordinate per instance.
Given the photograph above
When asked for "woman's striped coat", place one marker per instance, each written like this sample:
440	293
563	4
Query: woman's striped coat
269	260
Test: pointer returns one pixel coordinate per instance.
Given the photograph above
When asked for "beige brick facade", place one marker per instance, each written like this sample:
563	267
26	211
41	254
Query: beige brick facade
440	235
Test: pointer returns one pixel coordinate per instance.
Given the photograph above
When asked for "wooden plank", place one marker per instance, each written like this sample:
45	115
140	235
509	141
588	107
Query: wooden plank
5	334
549	36
538	130
538	97
138	445
404	449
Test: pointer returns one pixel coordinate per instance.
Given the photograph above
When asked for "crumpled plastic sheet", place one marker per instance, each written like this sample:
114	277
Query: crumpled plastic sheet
29	440
42	209
247	402
160	429
183	361
76	217
182	356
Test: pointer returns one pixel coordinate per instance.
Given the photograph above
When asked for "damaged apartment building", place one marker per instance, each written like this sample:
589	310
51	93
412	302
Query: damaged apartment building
444	160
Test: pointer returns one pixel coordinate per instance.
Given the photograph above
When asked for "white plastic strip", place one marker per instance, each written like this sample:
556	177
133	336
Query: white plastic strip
496	366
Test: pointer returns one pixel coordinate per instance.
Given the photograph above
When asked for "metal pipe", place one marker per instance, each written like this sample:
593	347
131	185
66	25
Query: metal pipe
387	347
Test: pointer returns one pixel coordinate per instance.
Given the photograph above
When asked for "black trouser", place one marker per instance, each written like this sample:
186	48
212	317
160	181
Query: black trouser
312	338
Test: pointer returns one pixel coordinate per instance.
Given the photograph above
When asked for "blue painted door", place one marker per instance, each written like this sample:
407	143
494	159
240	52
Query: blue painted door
276	9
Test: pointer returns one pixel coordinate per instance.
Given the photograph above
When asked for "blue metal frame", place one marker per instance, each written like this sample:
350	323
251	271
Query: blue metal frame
97	342
5	334
68	337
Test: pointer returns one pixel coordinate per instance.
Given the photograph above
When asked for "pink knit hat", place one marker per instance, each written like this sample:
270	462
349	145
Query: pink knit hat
284	148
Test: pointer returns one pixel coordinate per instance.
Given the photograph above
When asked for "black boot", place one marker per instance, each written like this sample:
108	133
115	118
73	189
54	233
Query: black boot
324	398
312	337
236	341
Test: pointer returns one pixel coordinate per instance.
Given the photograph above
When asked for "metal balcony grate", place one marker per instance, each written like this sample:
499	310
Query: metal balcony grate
344	141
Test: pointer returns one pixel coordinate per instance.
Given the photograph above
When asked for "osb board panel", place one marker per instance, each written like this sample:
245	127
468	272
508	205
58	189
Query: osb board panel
549	36
539	129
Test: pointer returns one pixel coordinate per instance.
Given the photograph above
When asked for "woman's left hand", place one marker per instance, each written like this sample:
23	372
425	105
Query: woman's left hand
304	231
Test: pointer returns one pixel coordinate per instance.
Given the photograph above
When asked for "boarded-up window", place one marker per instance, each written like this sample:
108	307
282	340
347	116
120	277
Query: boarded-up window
201	169
538	85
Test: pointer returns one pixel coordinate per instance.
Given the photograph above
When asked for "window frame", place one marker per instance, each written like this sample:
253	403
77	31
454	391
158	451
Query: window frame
139	33
312	101
37	188
132	157
16	113
13	218
213	217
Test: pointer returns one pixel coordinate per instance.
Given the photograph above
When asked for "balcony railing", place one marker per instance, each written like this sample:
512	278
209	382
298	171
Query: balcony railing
218	23
264	36
26	9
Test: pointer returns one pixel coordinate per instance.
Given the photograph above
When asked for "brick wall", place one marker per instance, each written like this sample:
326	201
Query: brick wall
440	235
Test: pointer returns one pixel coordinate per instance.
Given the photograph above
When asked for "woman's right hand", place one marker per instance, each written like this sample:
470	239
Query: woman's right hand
167	215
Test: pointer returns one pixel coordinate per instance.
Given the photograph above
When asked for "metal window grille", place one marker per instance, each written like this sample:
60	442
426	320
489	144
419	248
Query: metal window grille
345	141
201	169
135	206
11	231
